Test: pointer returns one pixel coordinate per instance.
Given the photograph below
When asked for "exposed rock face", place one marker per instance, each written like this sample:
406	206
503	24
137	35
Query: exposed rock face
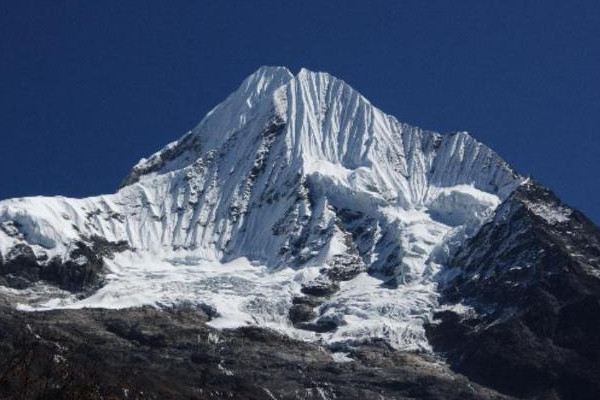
82	271
532	279
172	354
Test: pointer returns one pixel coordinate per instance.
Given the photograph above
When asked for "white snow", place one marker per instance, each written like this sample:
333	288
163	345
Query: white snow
214	217
550	213
341	357
370	310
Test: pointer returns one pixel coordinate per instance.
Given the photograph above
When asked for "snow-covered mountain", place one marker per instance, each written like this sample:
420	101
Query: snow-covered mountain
295	204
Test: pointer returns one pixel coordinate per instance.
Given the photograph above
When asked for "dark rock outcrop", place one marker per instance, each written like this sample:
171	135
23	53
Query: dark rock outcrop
532	278
188	143
82	270
320	287
301	313
146	353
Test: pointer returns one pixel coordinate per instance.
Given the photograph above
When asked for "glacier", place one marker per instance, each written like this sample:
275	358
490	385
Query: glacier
293	192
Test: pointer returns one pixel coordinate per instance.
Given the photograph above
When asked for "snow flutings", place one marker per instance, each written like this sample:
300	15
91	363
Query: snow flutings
286	178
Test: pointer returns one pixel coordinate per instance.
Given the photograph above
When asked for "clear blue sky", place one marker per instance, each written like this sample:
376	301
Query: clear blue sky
89	87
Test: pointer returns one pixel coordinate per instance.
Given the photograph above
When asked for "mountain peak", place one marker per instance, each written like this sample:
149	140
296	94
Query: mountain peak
294	173
265	79
297	205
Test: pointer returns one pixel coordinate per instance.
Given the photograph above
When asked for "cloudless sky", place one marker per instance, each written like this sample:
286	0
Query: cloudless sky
89	87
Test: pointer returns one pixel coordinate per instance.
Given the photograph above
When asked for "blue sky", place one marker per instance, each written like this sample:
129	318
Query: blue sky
87	88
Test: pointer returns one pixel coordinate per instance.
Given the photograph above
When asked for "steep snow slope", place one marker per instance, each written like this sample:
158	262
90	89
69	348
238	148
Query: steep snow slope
295	195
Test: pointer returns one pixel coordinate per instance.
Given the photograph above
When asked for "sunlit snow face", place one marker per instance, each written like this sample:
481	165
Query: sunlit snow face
244	293
267	175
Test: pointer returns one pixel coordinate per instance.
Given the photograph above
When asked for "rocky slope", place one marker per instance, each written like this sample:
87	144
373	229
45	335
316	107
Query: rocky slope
530	280
172	354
